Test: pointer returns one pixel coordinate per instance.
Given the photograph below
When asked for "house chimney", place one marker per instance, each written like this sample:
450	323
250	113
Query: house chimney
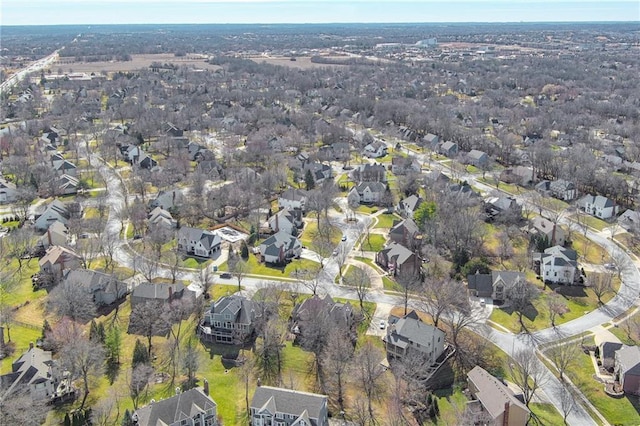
170	293
277	223
505	418
49	236
205	387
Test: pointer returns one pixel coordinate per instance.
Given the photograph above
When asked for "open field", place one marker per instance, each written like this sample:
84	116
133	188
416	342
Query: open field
137	62
301	62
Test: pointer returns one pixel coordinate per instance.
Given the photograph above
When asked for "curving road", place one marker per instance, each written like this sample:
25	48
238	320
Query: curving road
626	298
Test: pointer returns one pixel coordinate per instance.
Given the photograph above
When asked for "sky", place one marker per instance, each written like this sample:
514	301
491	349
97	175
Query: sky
85	12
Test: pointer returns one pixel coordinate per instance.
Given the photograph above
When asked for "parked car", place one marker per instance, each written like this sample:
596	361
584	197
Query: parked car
225	275
344	238
383	324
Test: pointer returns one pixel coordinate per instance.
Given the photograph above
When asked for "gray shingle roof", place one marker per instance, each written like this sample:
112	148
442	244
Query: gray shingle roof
183	406
288	401
491	393
629	359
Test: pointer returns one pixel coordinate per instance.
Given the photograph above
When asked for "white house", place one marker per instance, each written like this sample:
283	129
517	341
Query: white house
409	205
367	192
375	149
293	199
630	220
598	206
56	235
286	407
558	265
286	220
198	242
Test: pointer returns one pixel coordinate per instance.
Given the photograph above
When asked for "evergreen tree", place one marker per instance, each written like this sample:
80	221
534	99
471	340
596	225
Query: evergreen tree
113	344
67	420
126	419
244	250
96	332
140	354
309	181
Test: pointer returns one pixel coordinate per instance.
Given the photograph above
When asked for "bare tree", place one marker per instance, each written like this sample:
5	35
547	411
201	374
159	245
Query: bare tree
527	373
368	373
442	296
238	268
206	279
148	319
102	413
600	284
563	356
520	295
410	282
79	355
18	408
568	403
360	280
66	300
557	306
191	362
309	278
269	352
336	365
138	382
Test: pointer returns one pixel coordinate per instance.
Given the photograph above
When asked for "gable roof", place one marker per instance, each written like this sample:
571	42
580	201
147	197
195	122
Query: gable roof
397	253
375	187
207	239
492	394
182	406
160	291
628	358
411	328
239	307
406	225
411	202
272	399
59	255
32	367
294	195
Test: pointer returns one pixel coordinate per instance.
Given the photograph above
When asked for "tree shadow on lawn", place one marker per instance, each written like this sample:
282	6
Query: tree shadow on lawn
567	291
634	401
529	312
230	354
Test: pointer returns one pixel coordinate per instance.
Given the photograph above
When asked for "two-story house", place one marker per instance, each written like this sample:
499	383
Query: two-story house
398	260
375	149
33	369
409	333
557	265
409	205
367	193
280	248
493	285
286	220
56	211
293	199
198	242
406	233
57	260
339	315
495	399
598	206
272	406
193	407
543	228
230	320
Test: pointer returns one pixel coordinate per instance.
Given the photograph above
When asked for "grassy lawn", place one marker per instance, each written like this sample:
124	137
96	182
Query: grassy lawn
390	284
362	208
546	413
375	242
588	250
627	240
370	263
554	204
257	268
310	233
385	220
193	263
592	221
579	300
619	411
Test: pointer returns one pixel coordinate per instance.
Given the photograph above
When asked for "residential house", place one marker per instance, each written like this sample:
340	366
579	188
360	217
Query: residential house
519	175
168	200
334	314
495	399
35	369
161	218
293	199
375	149
147	162
105	289
280	248
627	368
607	351
409	205
55	211
436	179
58	259
198	242
230	320
477	158
560	189
405	165
193	407
502	207
287	407
448	149
406	233
319	171
558	265
409	334
367	193
161	292
399	260
65	167
598	206
67	185
431	141
493	285
630	220
8	191
172	130
369	173
287	220
547	230
56	235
